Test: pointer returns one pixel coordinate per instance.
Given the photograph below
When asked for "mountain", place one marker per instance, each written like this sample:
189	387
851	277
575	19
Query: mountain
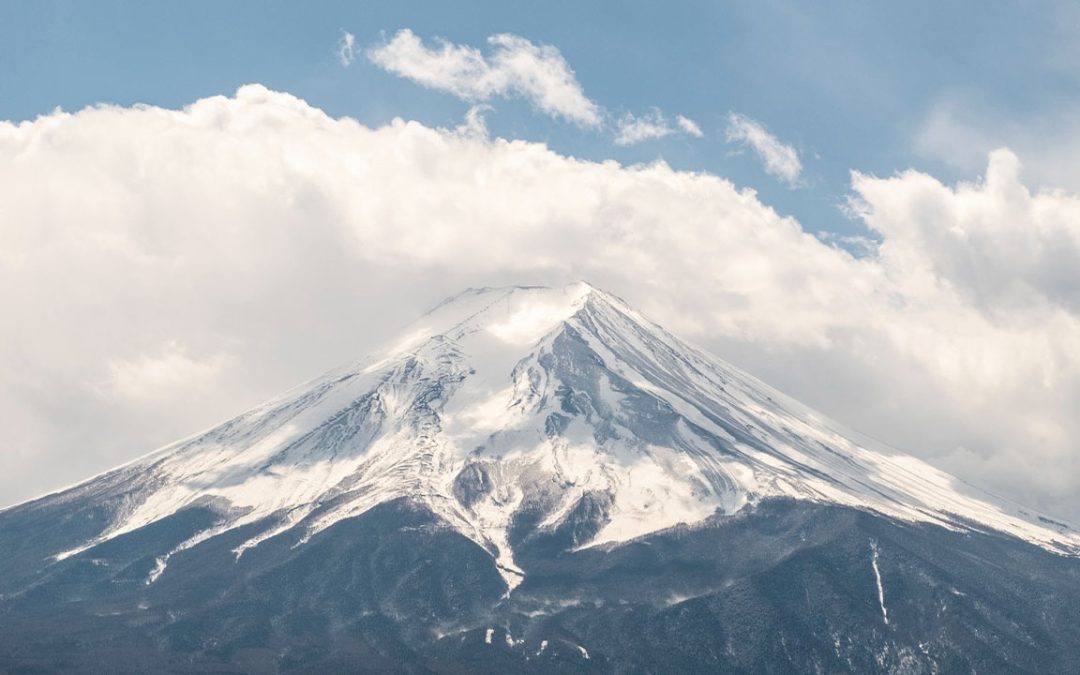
534	479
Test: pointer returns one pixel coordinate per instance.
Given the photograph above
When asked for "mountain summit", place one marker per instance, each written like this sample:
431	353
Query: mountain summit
525	428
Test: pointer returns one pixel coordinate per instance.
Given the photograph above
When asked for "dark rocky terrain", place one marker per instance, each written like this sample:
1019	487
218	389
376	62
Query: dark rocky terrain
786	587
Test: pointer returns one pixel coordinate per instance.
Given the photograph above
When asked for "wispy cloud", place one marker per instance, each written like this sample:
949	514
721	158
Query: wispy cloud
689	126
631	130
474	125
514	67
346	48
780	159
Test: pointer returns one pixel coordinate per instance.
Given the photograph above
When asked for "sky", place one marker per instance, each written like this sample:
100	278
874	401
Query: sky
872	207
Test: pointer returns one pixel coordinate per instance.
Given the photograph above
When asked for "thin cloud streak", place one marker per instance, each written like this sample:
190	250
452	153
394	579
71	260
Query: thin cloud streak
631	130
689	126
513	68
346	49
779	159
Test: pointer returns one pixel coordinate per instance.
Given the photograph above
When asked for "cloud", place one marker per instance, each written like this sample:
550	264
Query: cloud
346	49
515	67
689	126
631	130
1000	246
858	244
474	124
212	256
148	378
993	271
960	133
780	160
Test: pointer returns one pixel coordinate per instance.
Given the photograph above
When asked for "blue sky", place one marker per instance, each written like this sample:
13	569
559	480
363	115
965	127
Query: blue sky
850	85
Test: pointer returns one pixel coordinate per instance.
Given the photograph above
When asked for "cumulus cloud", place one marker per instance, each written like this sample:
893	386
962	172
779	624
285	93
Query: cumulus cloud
346	49
1005	249
515	67
228	250
780	160
631	130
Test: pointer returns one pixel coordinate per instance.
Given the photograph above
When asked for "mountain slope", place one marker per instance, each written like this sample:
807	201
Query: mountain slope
542	436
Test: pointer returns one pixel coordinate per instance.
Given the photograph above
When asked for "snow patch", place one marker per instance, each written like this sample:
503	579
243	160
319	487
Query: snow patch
877	577
159	568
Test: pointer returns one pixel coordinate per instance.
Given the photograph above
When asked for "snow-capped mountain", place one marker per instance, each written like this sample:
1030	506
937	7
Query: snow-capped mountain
507	400
545	426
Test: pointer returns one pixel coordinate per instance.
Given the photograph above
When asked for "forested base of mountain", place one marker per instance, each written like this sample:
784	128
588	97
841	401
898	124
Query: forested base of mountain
783	587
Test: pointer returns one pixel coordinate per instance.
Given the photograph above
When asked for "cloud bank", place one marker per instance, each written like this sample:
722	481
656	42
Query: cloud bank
163	269
780	160
515	67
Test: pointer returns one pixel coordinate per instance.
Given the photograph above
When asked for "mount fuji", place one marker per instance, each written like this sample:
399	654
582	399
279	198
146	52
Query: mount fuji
534	480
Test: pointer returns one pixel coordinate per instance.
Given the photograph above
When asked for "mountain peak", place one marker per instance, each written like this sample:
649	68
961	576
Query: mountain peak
523	309
526	414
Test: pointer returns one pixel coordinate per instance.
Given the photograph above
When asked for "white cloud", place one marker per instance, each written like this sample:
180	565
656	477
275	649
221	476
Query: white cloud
474	124
960	133
149	378
515	67
346	48
993	272
689	126
260	228
858	244
780	160
631	130
1002	247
